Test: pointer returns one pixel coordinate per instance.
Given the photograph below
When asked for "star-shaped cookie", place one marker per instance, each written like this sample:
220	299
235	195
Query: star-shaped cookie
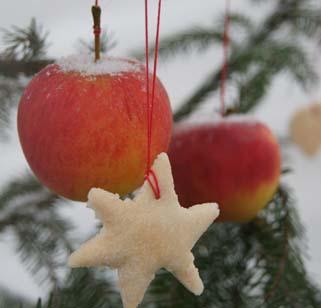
143	235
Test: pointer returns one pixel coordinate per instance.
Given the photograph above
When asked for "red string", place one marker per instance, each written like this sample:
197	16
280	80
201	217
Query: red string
154	185
147	87
150	102
155	68
97	3
226	43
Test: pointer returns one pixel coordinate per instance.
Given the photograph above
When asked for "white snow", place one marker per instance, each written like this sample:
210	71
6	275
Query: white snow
215	118
85	65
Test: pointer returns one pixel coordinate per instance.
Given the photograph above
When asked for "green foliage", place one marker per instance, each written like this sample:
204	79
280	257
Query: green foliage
194	39
25	44
28	212
10	300
10	89
275	45
84	288
87	288
271	58
197	39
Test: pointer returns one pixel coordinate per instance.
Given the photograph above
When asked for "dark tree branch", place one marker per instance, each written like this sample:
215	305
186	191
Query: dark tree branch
13	68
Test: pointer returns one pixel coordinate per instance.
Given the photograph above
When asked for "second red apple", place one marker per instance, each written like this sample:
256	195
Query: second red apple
234	162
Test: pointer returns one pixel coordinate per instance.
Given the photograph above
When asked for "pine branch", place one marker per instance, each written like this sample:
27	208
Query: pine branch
28	211
272	58
238	22
17	188
25	52
209	85
306	21
84	288
13	68
286	281
253	90
39	304
10	89
269	59
197	39
260	49
10	300
25	44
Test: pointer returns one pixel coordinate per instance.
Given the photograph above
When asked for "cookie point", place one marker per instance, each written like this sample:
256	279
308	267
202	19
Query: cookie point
162	157
71	262
199	289
216	210
93	191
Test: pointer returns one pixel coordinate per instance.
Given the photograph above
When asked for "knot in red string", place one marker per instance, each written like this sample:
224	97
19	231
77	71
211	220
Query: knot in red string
97	31
153	183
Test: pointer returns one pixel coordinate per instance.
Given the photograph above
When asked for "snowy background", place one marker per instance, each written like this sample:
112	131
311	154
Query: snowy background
69	20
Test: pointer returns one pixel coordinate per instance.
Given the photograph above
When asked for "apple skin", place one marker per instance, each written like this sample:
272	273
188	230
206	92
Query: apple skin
79	132
233	163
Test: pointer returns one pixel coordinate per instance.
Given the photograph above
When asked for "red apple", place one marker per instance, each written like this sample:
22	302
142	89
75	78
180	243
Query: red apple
233	162
84	125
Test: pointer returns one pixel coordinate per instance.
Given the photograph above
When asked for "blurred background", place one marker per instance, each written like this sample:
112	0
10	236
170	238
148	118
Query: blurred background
183	70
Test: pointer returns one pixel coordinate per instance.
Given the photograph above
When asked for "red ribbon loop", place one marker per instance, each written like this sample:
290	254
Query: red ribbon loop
153	183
